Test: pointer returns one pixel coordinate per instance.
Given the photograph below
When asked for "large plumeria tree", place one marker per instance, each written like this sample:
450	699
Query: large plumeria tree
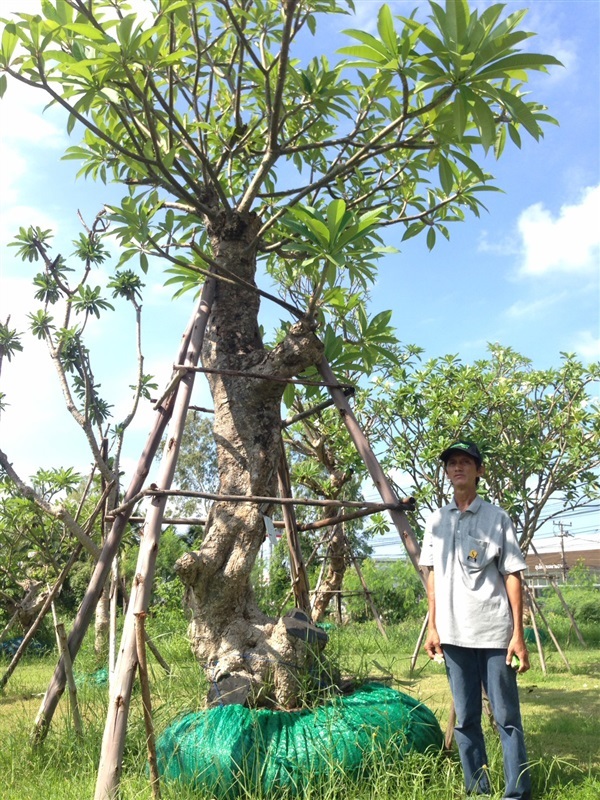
239	144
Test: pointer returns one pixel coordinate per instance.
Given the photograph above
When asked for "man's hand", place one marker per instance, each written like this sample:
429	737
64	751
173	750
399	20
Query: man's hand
432	645
518	648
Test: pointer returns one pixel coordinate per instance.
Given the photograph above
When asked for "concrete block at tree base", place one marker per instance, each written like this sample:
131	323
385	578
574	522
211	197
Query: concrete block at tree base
299	625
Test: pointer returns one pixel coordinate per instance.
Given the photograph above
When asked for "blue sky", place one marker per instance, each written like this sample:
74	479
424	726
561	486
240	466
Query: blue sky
526	274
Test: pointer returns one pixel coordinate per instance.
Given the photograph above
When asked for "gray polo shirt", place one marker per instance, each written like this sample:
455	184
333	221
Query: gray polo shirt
471	551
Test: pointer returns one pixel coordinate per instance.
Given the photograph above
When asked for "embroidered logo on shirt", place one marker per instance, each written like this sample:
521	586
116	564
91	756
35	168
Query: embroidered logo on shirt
472	555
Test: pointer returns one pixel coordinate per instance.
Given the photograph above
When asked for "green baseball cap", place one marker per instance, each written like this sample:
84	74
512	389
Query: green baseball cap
463	446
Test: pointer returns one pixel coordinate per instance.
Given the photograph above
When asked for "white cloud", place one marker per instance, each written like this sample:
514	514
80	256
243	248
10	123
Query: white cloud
534	308
27	134
17	216
567	243
587	346
498	245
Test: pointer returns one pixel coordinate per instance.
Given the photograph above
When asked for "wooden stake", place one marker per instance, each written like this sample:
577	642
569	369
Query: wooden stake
297	568
550	631
113	608
113	741
64	650
151	646
384	487
536	633
567	610
368	594
552	581
140	637
277	523
423	631
111	545
449	735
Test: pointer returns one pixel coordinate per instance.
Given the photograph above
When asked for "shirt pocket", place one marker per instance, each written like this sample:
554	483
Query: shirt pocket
476	554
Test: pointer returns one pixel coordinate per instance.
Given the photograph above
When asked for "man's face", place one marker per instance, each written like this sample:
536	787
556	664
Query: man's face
462	471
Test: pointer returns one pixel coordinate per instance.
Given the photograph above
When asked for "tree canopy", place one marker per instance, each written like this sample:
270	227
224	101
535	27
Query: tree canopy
538	429
236	149
210	108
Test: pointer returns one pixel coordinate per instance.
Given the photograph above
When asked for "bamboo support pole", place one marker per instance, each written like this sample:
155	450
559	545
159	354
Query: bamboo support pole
309	526
298	570
156	653
449	734
113	741
559	594
338	608
140	637
111	545
153	491
536	633
61	635
422	632
547	624
308	563
313	410
237	373
151	646
383	485
368	594
567	611
315	592
41	614
113	608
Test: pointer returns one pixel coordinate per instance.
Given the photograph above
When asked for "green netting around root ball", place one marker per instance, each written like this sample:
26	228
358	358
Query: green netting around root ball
228	749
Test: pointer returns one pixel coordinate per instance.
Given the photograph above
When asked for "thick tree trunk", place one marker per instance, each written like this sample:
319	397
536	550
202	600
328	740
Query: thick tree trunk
247	655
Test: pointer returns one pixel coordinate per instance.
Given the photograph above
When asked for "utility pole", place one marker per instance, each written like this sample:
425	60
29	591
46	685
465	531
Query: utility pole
562	534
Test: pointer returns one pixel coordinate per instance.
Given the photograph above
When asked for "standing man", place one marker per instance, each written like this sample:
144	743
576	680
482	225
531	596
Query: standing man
476	619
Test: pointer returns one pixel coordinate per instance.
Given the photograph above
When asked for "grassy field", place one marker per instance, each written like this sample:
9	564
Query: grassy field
561	713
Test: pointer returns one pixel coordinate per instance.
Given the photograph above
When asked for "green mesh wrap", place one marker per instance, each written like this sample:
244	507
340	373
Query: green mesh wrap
225	749
530	636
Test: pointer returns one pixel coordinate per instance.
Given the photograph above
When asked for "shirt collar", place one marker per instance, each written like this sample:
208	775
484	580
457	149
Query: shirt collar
472	509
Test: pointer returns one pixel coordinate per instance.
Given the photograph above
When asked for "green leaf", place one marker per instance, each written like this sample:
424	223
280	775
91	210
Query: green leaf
3	85
518	61
459	113
514	135
9	42
335	213
519	111
484	119
446	175
385	28
371	41
470	164
431	238
369	55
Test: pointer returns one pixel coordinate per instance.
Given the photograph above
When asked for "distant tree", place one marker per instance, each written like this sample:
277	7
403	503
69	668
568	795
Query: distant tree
64	300
10	343
33	545
196	469
395	588
539	431
237	145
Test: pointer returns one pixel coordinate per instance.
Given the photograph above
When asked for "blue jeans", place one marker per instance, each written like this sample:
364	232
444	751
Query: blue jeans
469	669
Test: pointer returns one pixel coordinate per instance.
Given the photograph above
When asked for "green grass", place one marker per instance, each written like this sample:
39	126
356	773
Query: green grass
561	712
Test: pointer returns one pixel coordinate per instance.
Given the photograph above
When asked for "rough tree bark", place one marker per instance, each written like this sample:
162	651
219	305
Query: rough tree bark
249	657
